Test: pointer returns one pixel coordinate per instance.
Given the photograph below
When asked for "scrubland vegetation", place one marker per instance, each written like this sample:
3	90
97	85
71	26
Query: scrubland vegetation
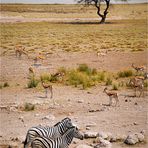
84	77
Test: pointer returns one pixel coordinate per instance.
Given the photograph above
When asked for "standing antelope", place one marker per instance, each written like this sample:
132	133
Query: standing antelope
138	83
19	50
138	68
112	95
47	86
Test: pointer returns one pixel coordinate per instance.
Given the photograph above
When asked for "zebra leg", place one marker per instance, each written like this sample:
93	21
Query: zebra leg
26	142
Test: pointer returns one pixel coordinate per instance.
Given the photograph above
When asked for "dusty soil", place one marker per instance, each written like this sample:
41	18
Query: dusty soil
117	120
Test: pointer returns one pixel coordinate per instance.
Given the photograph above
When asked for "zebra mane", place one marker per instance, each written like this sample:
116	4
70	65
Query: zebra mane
57	123
62	121
66	119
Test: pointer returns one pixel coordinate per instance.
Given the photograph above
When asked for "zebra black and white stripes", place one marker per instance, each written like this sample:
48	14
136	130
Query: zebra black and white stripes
49	132
61	142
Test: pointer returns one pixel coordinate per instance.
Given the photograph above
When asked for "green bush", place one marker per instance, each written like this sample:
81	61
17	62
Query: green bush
102	76
115	86
45	77
125	73
33	82
76	78
62	69
108	81
29	107
85	68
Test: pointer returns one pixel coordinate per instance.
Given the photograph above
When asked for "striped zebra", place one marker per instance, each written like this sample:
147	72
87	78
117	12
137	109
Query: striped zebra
53	132
61	142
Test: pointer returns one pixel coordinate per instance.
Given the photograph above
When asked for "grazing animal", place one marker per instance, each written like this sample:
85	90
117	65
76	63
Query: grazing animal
47	86
112	95
138	84
61	142
138	68
19	50
50	132
59	76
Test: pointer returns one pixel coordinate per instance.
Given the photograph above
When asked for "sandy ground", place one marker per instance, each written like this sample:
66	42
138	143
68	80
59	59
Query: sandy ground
117	120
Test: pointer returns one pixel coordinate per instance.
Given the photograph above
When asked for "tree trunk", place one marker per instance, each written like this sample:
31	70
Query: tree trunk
103	20
103	16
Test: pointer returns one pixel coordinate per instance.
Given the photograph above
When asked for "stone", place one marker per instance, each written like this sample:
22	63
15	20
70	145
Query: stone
131	139
90	134
103	143
140	137
102	135
87	128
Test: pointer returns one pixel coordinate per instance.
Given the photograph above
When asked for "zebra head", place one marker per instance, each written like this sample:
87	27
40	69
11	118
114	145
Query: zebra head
67	122
64	125
77	133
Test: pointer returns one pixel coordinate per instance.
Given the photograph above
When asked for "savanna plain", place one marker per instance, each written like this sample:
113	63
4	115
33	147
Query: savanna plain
66	47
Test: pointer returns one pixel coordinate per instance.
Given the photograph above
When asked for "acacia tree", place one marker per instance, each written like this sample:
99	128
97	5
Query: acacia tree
97	4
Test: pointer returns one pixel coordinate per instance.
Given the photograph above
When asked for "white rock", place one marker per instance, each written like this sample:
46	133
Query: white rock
103	143
90	134
102	135
87	128
83	146
140	137
131	139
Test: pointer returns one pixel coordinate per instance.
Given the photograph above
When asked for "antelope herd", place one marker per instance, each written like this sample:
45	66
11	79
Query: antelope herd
136	82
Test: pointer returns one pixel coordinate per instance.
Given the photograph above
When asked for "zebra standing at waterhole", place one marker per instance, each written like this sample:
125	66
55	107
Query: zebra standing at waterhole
61	142
50	132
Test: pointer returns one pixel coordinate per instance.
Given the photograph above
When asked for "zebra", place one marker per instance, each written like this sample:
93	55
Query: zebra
61	142
53	132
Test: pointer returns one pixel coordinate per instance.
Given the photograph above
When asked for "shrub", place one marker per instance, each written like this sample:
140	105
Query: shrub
121	84
62	69
125	73
33	82
115	86
6	84
102	76
45	77
108	81
29	107
78	78
85	68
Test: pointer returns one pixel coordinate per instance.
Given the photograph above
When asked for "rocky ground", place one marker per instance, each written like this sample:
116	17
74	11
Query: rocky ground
88	108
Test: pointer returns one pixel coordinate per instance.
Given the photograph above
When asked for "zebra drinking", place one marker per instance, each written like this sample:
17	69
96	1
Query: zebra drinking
61	142
53	132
